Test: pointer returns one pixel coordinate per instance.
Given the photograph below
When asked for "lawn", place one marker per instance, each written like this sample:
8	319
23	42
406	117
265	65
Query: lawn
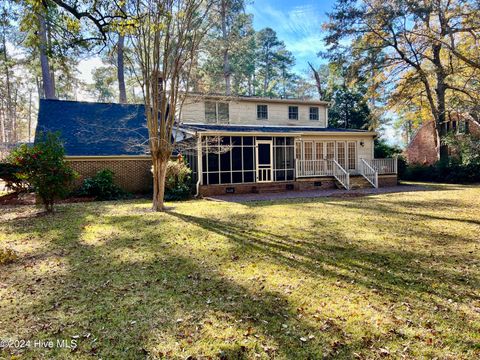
394	275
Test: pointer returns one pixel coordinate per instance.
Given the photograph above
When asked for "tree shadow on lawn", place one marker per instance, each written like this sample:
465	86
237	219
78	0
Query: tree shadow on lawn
131	304
393	272
166	306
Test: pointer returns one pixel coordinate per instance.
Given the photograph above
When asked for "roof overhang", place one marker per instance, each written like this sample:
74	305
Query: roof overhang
293	134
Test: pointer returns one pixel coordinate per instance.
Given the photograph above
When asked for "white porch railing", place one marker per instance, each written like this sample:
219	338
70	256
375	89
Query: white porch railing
308	168
341	175
384	166
369	173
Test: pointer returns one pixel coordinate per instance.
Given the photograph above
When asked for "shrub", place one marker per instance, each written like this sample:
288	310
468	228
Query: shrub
8	175
44	168
450	172
177	180
384	150
7	256
463	166
102	187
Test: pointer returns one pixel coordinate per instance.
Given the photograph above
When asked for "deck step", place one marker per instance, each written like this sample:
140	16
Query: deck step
356	182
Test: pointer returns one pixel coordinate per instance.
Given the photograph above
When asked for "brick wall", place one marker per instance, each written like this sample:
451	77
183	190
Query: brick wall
131	174
299	185
421	149
387	180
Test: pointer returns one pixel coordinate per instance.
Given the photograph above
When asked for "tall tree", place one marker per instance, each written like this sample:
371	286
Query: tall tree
167	35
47	76
122	91
423	44
273	63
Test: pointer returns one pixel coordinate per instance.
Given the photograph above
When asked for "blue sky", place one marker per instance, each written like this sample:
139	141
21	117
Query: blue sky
297	22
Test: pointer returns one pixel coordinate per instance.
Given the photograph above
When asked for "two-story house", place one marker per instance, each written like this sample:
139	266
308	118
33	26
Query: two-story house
236	144
250	144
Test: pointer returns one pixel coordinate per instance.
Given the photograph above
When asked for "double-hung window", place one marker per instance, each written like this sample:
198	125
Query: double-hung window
314	113
216	112
293	112
262	112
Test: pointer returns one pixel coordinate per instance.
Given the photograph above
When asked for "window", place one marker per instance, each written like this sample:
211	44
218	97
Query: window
341	154
308	150
293	112
210	112
262	112
462	127
319	150
223	113
330	150
352	155
216	112
314	113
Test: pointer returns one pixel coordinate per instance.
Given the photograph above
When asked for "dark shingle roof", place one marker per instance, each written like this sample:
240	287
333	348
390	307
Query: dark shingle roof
95	129
264	129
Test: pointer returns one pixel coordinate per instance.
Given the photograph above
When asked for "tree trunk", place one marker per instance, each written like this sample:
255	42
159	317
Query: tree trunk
159	173
9	101
440	89
122	92
318	82
226	56
47	79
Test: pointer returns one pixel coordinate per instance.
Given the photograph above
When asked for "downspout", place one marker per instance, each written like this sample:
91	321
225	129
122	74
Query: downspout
199	164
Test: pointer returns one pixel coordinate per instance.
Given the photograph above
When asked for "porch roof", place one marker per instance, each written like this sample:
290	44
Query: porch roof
206	129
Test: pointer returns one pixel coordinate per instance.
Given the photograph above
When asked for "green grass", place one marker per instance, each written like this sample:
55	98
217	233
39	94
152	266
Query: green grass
374	277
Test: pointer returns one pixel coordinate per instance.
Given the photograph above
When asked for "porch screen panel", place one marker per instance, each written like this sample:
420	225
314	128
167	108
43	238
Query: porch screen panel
341	153
298	150
352	155
284	153
228	160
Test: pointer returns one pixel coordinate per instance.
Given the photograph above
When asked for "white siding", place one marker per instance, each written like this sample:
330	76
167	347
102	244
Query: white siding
245	113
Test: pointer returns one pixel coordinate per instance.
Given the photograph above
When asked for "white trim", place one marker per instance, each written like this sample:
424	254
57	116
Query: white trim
257	165
287	134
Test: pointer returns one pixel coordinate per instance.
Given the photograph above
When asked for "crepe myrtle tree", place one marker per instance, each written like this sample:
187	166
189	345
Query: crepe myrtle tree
166	35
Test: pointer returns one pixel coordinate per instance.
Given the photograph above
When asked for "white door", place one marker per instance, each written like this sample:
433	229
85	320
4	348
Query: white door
264	160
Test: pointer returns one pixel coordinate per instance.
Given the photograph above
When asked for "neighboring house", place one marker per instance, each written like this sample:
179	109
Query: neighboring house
237	144
422	150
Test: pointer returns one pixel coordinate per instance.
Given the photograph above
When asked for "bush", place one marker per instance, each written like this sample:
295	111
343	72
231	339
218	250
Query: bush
178	184
443	172
7	256
8	175
44	168
463	166
383	150
101	187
